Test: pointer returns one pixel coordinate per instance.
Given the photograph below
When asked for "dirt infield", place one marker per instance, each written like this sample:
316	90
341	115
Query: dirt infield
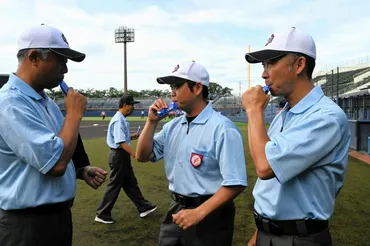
98	129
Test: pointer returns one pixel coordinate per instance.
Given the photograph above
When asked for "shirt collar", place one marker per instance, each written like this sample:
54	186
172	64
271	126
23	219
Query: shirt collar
310	99
15	81
202	117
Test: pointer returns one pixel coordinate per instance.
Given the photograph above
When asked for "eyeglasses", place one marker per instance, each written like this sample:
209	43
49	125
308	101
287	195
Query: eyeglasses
59	58
177	86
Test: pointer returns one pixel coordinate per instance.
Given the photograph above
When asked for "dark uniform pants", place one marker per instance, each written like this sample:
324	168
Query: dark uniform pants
21	228
215	230
319	239
121	176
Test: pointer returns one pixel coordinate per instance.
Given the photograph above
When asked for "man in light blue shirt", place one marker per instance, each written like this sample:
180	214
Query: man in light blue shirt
37	175
122	173
203	158
301	161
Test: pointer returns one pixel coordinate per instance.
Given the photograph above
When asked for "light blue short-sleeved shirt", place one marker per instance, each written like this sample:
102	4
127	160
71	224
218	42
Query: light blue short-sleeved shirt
201	157
118	131
29	148
308	152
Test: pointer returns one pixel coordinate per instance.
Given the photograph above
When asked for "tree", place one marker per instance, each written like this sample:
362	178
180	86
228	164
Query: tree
217	90
214	88
54	94
226	91
113	93
134	93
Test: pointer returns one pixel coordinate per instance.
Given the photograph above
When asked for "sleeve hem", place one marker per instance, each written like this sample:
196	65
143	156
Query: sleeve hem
232	182
51	163
277	171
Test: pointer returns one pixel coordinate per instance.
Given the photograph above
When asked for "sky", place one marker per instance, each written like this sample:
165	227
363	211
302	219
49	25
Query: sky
215	33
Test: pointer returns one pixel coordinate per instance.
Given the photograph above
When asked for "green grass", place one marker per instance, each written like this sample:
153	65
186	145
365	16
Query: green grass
349	225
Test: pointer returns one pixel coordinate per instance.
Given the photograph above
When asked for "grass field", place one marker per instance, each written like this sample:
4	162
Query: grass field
349	225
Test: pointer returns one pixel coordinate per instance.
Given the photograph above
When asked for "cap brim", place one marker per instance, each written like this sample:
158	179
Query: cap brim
264	55
70	54
170	80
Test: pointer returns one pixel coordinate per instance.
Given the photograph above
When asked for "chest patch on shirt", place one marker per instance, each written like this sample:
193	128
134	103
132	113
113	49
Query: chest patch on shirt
196	159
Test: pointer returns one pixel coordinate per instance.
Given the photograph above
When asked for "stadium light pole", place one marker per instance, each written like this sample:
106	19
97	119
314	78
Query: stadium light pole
123	34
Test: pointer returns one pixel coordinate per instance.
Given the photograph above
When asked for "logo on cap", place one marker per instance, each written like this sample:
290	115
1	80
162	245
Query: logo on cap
196	160
64	38
176	68
270	39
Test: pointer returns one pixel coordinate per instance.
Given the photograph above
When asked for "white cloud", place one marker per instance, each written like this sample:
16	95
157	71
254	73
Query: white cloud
163	36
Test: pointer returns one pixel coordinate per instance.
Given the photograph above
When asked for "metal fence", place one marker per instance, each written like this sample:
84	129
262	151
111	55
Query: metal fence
356	107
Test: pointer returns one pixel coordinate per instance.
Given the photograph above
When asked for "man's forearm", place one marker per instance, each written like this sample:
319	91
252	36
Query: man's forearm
222	196
144	148
128	148
257	139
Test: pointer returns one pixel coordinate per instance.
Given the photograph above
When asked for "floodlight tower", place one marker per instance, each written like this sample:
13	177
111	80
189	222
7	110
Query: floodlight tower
124	35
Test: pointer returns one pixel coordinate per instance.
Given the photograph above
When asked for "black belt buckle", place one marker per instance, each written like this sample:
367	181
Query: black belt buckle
187	201
173	196
178	198
183	200
266	225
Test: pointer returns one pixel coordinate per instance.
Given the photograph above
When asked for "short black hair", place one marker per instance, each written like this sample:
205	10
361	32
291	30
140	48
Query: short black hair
205	91
310	63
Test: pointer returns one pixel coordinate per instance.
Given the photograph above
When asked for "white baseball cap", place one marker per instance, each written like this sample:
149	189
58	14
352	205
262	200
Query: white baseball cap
283	42
48	37
192	71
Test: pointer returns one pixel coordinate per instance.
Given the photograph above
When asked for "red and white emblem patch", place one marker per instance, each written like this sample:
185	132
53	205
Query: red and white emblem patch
196	160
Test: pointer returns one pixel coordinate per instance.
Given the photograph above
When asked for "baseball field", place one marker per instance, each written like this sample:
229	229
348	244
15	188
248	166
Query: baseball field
349	225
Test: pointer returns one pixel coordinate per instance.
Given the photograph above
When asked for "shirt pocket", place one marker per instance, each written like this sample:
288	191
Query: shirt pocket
198	160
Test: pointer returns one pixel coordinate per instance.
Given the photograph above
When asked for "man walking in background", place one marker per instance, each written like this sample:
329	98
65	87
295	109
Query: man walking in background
122	174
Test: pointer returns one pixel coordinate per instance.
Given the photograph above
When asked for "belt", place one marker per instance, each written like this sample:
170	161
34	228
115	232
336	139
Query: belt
290	227
118	149
44	209
188	201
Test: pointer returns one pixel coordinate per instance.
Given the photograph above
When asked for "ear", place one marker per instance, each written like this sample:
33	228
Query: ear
33	56
197	88
300	65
